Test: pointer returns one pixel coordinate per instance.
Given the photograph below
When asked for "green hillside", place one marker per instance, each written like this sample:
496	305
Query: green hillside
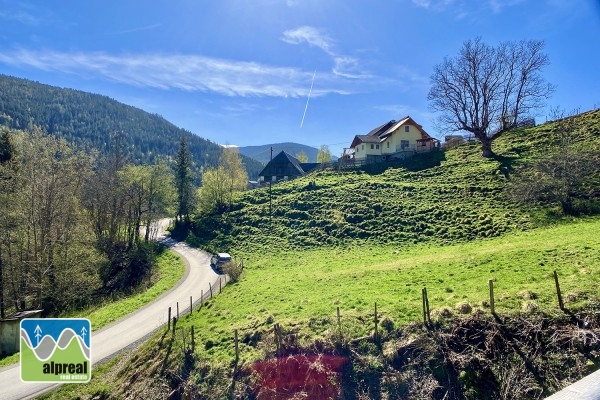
88	120
352	239
440	198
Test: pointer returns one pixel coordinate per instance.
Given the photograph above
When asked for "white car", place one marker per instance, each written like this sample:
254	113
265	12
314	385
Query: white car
217	260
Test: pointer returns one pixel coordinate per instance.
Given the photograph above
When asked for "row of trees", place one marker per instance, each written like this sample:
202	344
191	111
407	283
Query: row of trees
69	221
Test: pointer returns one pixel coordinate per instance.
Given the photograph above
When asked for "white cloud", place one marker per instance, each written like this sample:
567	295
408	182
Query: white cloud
183	72
310	35
343	66
348	67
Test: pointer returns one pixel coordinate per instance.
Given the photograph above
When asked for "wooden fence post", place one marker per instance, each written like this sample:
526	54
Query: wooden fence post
237	350
376	337
193	341
169	320
174	323
427	304
560	300
277	344
210	288
492	305
191	304
177	310
424	307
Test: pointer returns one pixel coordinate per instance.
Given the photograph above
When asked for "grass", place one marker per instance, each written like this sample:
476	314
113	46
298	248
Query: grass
170	269
301	290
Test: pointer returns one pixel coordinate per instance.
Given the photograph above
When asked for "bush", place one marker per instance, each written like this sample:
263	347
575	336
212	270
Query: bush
233	270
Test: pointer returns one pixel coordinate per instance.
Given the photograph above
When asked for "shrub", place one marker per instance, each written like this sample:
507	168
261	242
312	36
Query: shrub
233	270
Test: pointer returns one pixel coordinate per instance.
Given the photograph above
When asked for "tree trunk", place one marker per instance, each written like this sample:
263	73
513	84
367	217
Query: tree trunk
486	147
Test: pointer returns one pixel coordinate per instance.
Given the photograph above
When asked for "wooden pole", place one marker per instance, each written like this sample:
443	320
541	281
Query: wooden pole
210	288
427	305
193	341
174	323
177	310
560	300
237	350
191	304
169	320
424	306
492	305
376	321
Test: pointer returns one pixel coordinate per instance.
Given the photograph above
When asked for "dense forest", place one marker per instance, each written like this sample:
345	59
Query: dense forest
89	120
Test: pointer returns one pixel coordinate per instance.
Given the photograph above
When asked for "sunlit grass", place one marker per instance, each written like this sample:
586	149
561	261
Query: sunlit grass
301	290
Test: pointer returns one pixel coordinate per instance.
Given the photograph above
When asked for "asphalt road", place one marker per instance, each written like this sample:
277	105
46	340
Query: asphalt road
135	327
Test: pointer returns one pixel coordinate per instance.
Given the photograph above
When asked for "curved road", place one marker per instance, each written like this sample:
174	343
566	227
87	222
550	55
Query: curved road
135	327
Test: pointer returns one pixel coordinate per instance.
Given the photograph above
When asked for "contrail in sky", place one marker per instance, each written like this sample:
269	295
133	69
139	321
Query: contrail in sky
307	100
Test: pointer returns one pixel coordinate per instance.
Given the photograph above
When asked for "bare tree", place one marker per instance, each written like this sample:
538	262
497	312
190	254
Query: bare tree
485	90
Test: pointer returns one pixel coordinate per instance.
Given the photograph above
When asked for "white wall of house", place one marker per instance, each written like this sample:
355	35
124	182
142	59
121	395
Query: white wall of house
407	133
367	149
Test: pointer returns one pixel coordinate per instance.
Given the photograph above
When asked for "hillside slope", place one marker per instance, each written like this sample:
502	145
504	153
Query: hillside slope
88	120
440	197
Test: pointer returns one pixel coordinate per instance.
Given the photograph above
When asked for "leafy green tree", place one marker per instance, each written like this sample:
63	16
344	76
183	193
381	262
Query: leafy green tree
219	184
324	154
237	178
302	157
486	90
184	182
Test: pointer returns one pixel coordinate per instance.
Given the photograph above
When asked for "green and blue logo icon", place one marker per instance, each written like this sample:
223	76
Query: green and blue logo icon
56	350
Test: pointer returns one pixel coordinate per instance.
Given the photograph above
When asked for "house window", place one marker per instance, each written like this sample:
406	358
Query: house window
388	145
407	128
371	146
404	144
423	144
377	147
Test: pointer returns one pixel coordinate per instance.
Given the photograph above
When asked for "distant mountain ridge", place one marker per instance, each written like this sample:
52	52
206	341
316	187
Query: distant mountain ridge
262	153
88	120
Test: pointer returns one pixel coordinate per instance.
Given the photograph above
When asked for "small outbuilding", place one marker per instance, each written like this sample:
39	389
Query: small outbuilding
10	331
284	166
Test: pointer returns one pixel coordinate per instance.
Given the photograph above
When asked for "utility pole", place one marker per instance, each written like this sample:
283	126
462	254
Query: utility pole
270	183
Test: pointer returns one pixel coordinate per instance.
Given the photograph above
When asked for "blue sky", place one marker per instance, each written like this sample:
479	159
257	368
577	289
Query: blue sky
239	71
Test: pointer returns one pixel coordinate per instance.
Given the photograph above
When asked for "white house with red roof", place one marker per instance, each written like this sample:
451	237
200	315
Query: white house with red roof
392	140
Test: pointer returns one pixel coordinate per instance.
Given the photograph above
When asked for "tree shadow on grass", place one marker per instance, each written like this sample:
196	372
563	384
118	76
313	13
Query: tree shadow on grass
507	165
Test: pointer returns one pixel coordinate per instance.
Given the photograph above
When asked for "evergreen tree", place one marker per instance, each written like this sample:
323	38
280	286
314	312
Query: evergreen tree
6	148
183	182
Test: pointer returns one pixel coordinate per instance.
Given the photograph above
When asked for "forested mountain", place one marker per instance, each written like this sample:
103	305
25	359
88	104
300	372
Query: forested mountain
88	121
262	153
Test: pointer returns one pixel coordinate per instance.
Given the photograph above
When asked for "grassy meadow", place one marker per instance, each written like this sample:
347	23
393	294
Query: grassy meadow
302	290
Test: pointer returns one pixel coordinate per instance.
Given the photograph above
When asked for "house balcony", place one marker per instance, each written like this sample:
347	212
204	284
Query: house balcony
401	148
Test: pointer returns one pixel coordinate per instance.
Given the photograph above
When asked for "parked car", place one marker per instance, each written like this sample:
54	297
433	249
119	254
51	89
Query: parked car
217	260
